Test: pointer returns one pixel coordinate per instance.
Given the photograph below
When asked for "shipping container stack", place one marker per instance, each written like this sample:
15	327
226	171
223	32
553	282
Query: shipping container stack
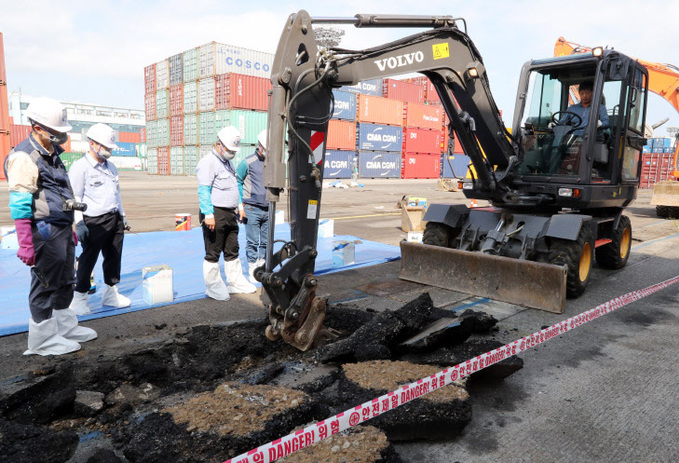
192	95
657	162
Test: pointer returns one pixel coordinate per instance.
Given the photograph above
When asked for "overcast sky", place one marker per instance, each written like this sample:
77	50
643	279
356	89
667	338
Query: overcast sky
94	51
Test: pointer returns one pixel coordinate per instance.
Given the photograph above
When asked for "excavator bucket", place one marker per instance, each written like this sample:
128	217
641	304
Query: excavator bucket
526	283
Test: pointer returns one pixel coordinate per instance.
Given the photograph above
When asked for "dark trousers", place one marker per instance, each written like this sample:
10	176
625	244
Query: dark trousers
224	238
105	235
54	258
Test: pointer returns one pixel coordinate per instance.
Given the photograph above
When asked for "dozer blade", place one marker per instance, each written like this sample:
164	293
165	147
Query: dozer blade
666	194
531	284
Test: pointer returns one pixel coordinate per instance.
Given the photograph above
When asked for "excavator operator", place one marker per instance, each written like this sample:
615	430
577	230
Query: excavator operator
583	109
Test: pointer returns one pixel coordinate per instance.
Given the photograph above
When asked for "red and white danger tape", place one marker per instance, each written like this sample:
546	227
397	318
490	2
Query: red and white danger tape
361	413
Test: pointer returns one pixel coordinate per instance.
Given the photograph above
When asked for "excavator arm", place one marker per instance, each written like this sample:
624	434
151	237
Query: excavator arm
303	77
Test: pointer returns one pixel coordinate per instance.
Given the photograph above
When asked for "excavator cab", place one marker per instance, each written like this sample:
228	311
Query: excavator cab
563	142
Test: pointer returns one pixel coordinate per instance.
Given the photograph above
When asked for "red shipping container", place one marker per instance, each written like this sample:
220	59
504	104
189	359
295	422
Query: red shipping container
457	149
422	116
129	137
237	91
67	146
164	161
427	87
18	133
150	79
177	100
142	135
341	135
403	91
377	110
150	106
177	130
421	166
422	141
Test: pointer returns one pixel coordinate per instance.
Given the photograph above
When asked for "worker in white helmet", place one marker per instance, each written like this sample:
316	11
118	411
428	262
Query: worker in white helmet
220	213
101	227
250	174
42	202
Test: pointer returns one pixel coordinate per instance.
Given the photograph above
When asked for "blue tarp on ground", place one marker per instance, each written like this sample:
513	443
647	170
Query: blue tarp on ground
183	251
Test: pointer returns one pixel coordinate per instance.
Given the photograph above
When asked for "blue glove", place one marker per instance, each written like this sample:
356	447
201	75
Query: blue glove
81	231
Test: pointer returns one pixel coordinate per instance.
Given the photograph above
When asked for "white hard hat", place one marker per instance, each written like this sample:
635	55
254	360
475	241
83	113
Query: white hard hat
102	134
49	113
261	138
230	137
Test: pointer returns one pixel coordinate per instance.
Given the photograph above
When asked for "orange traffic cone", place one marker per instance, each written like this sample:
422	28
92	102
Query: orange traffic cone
472	203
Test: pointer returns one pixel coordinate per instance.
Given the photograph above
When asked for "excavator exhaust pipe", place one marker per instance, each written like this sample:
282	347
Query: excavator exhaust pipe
531	284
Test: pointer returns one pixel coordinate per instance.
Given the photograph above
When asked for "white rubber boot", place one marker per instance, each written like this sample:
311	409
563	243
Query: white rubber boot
235	278
67	326
44	339
80	304
216	289
113	298
251	272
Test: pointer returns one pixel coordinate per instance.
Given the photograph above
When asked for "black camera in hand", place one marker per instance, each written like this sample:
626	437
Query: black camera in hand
73	205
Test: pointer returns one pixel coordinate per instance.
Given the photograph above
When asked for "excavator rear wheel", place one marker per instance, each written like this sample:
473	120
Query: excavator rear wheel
438	234
614	255
577	256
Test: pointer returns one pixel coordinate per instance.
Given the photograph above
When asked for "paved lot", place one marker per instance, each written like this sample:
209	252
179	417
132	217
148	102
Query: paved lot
603	392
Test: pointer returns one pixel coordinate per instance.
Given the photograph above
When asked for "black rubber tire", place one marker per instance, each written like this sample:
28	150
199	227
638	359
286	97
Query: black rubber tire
577	256
673	212
662	211
614	255
437	234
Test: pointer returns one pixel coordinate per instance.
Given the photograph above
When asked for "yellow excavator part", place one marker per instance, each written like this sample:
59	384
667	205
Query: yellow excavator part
531	284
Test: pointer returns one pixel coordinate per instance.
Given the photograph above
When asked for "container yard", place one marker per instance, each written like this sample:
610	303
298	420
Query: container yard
374	119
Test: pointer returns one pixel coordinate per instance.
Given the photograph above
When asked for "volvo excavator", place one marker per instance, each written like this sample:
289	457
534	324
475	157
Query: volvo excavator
557	183
663	80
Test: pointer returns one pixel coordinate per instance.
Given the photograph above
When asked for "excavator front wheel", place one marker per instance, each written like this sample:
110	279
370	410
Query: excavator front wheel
438	234
577	256
614	255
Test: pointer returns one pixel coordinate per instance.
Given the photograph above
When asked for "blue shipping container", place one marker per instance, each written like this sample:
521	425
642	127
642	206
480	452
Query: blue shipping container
345	105
125	149
379	164
338	164
374	137
459	163
367	87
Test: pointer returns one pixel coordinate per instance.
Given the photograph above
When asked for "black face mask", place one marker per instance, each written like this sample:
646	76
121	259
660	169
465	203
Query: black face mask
58	139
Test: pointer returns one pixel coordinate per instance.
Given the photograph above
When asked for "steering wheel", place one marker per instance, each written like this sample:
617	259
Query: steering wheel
570	122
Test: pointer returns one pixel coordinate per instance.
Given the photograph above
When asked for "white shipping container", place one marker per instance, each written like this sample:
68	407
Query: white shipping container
151	134
190	65
162	104
177	160
152	161
81	146
163	132
191	97
218	58
162	74
206	94
190	129
190	160
204	150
